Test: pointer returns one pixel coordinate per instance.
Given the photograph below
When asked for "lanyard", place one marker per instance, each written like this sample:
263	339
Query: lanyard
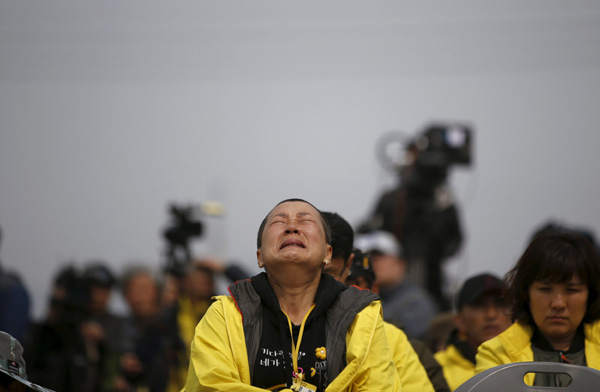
296	347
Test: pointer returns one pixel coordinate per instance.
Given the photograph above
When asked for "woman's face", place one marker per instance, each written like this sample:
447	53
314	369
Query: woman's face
558	308
293	234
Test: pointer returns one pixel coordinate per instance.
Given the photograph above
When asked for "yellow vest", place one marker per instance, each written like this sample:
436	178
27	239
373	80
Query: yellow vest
219	359
514	345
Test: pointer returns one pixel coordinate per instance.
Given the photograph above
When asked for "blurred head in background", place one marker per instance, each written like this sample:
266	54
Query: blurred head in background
141	291
481	309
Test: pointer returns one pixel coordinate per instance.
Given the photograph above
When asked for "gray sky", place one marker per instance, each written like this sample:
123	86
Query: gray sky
111	110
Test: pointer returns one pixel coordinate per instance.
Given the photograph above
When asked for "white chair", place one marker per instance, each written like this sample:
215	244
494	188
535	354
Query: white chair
509	378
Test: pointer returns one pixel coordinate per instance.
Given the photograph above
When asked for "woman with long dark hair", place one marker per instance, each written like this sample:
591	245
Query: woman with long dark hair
553	290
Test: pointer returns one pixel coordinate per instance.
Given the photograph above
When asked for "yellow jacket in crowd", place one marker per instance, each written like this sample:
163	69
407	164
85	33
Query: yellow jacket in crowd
457	369
219	358
188	315
413	376
514	345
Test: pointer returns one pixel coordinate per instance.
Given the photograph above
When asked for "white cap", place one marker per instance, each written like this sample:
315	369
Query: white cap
378	241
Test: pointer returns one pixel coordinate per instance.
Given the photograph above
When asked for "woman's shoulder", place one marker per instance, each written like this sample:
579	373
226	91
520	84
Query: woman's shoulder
512	345
221	303
353	300
352	306
592	331
515	337
353	293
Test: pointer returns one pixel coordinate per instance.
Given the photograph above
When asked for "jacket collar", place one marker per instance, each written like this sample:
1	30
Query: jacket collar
328	290
516	339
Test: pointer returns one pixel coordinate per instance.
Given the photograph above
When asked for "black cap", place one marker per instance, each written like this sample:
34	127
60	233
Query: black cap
476	286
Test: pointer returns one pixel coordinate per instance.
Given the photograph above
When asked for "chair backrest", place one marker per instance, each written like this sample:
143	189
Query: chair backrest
509	378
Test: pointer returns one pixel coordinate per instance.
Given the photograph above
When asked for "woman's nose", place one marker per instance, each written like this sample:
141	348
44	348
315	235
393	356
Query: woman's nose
558	301
291	227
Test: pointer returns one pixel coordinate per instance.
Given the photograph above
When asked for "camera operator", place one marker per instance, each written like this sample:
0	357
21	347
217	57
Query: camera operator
420	211
61	353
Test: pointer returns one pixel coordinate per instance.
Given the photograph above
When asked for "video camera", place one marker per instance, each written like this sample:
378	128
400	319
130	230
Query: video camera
443	145
432	153
185	225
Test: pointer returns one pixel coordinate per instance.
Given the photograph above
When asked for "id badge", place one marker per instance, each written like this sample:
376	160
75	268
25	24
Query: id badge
306	387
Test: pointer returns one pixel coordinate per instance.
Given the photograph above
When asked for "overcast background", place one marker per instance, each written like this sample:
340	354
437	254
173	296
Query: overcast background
111	110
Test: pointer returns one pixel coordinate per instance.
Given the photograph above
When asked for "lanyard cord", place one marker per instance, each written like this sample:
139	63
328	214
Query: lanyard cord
296	348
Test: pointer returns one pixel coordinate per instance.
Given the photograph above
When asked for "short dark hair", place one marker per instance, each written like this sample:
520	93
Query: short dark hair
261	228
342	235
554	257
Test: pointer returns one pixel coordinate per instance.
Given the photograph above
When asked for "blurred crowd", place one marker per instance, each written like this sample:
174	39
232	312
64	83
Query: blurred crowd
81	345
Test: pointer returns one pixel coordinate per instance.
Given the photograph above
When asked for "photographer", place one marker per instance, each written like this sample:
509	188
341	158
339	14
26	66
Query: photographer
62	354
420	211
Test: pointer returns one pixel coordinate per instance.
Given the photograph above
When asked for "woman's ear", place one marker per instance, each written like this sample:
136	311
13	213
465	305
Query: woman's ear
259	259
348	265
329	252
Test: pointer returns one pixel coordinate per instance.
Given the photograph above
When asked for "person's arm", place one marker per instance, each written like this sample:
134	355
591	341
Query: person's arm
369	360
219	361
431	365
412	373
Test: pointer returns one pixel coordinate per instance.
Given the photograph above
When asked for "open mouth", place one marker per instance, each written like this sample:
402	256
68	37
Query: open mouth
287	243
